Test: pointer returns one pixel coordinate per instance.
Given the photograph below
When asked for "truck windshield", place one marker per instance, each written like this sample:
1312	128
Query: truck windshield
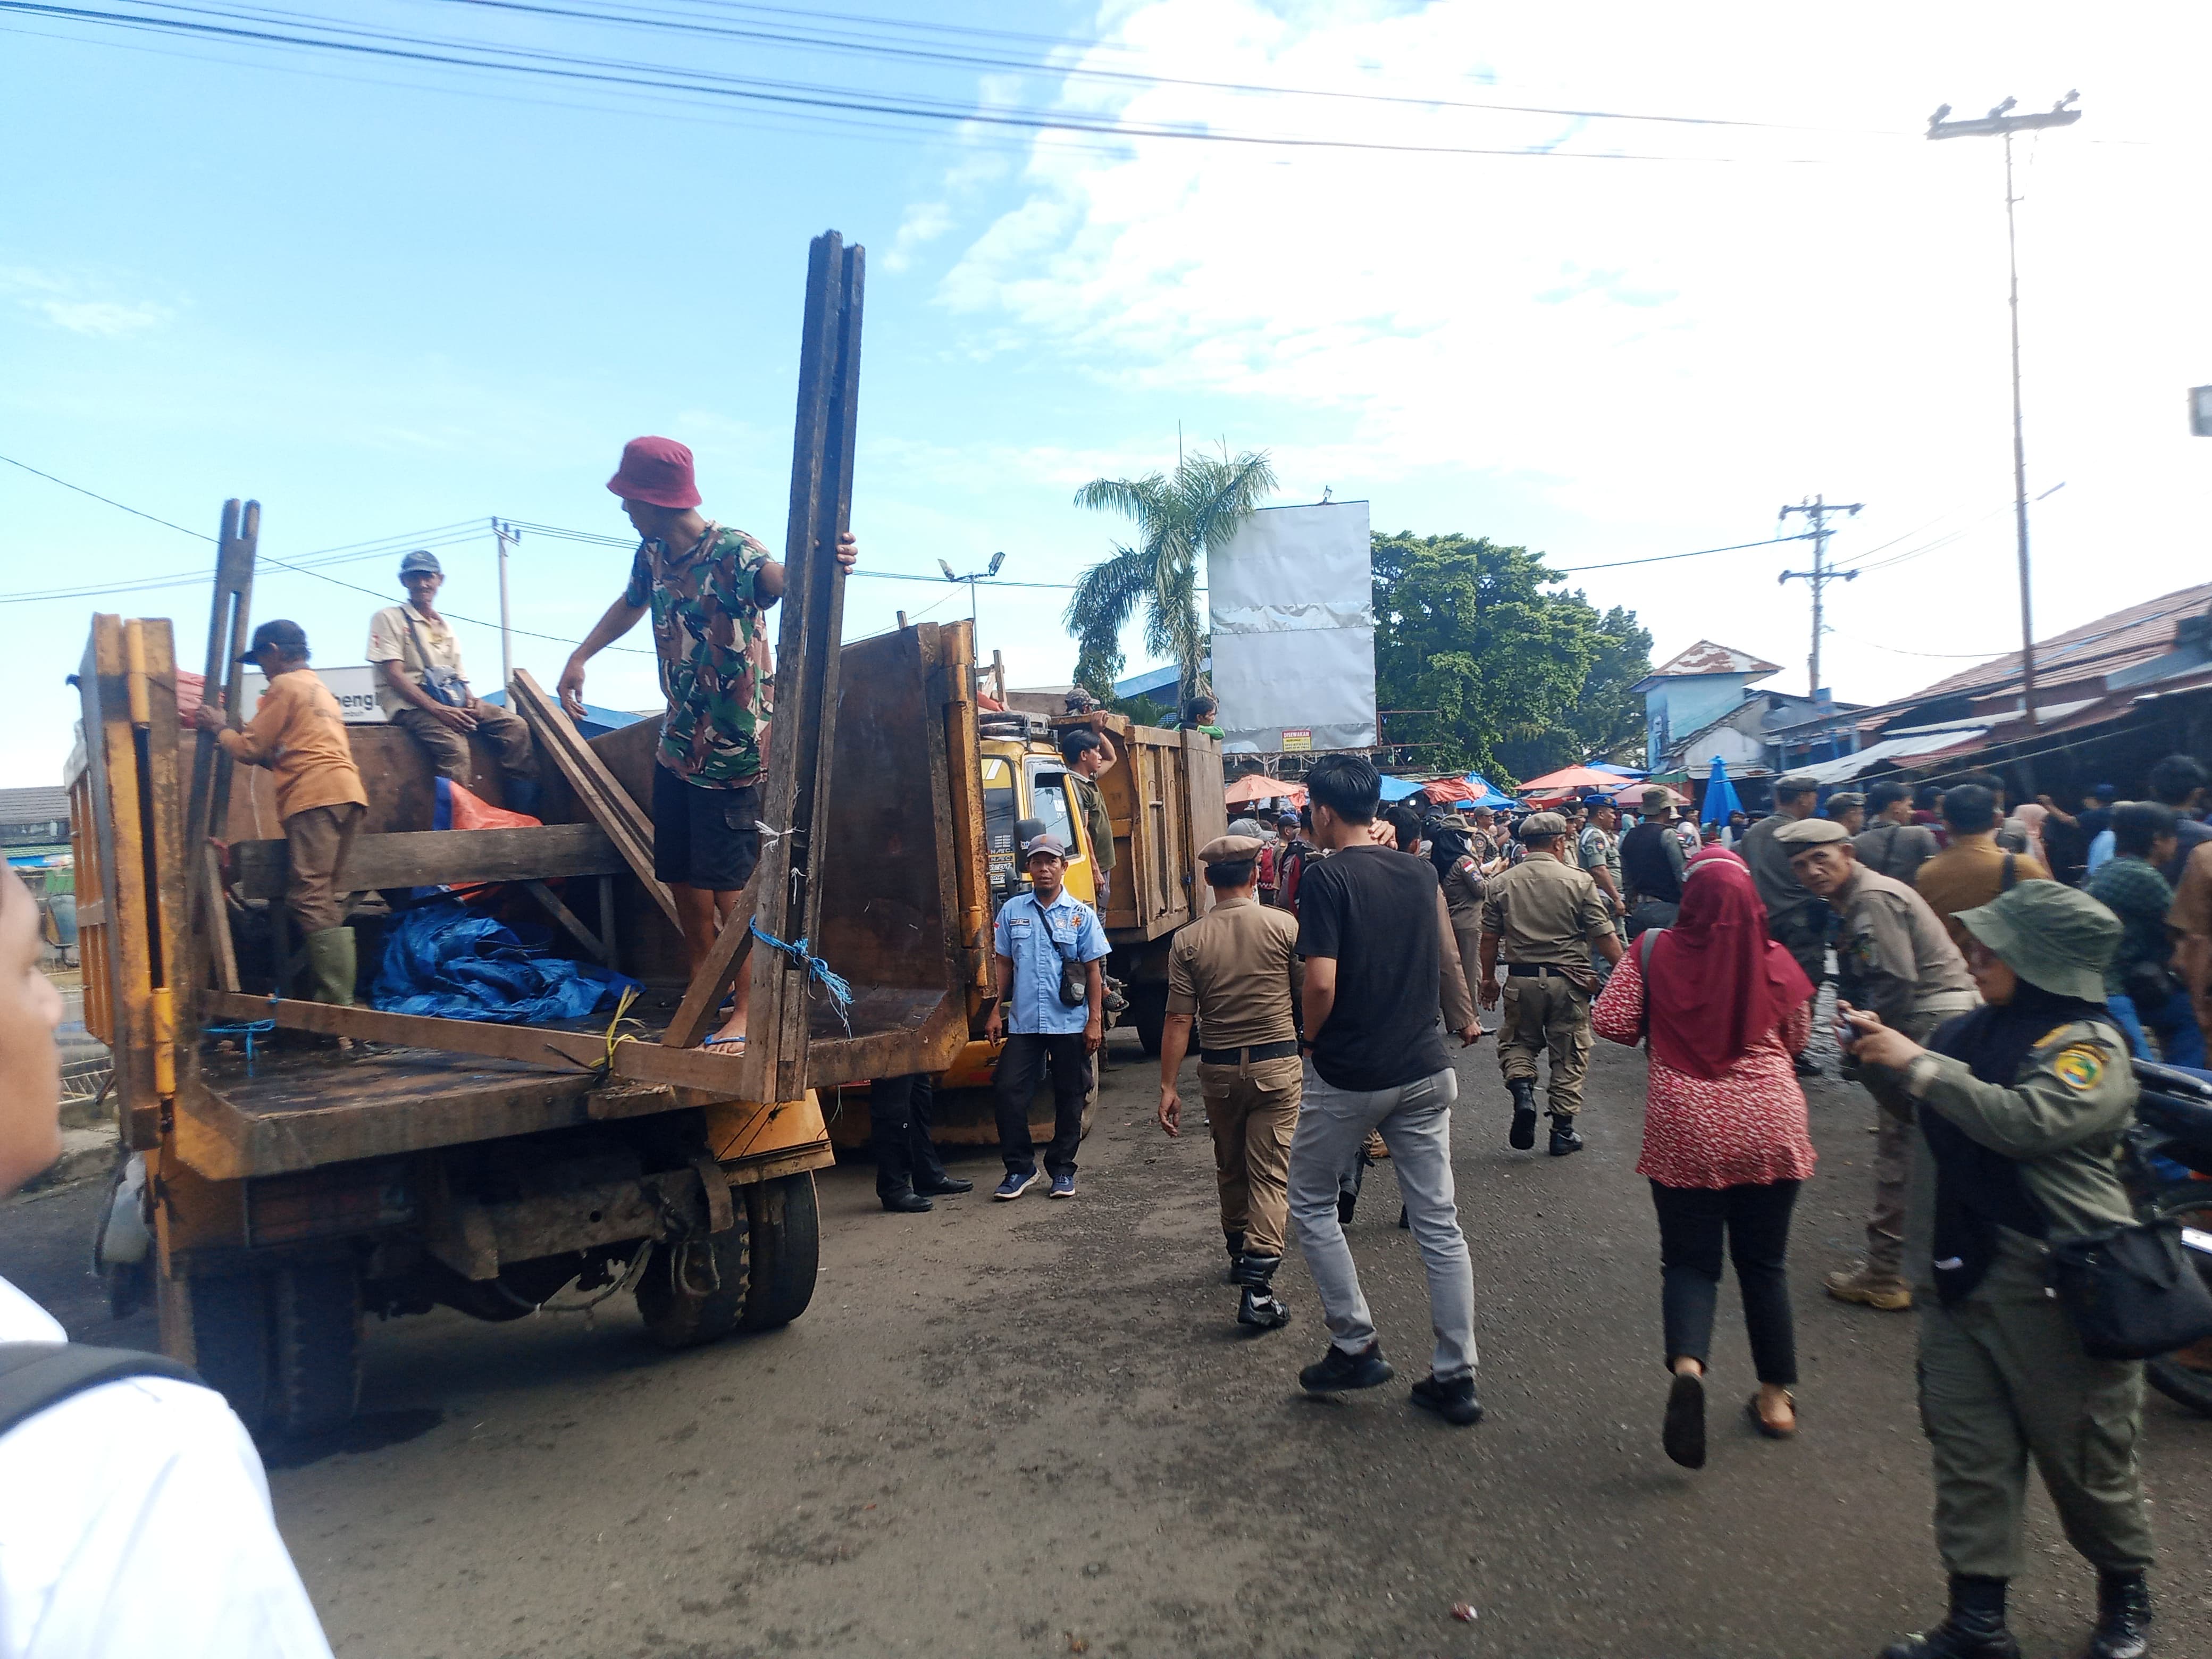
1048	800
1002	810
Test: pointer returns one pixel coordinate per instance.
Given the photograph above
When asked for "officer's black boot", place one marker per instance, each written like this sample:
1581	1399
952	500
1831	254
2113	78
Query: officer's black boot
1258	1307
1563	1137
1236	1243
1524	1114
2122	1617
1975	1628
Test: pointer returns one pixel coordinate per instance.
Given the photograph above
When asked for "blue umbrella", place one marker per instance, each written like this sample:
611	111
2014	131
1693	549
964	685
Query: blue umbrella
1720	795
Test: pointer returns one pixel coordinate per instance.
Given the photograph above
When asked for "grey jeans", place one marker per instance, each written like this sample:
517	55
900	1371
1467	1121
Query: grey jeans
1415	1121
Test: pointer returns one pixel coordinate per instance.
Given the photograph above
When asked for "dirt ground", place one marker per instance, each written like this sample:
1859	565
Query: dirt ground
1032	1429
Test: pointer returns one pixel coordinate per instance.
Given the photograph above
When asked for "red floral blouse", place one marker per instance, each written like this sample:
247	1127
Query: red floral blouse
1747	1128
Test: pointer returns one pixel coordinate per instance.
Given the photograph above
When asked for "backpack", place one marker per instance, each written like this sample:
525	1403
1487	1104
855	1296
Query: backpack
1266	866
1294	869
36	1375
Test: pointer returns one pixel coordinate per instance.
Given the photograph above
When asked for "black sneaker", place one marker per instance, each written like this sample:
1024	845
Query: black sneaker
1262	1310
1345	1204
1337	1371
1454	1402
1684	1433
1563	1137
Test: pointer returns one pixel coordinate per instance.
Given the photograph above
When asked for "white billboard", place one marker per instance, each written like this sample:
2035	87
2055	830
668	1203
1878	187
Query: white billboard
1292	600
353	686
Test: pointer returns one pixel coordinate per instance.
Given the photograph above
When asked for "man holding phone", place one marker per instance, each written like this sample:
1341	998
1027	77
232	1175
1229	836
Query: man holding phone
1896	959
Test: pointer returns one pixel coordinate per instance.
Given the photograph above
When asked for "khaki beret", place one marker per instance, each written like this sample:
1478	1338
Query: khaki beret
1230	849
1796	784
1541	823
1810	832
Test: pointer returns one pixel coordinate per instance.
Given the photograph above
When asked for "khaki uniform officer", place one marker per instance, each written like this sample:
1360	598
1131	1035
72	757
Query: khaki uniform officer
1893	959
1547	917
1238	971
2022	1107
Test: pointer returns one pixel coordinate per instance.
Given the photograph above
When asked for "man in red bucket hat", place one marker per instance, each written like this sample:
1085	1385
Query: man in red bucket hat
710	588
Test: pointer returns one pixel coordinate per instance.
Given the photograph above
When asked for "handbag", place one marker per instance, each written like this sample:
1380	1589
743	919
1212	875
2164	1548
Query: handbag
2150	983
443	683
1074	983
2132	1291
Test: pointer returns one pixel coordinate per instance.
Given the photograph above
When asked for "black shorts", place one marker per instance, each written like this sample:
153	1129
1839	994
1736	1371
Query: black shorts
704	837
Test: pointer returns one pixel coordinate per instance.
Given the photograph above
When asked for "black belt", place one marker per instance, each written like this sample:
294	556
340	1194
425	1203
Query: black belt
1534	970
1282	1050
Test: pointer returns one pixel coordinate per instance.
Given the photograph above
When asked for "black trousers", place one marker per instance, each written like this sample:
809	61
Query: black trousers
1022	1064
1756	1221
899	1120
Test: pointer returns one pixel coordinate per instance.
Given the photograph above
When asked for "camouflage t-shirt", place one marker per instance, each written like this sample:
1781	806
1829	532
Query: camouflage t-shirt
711	632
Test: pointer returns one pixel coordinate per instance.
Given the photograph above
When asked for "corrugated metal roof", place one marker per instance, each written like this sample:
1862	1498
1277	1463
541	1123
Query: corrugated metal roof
1891	750
45	805
2103	647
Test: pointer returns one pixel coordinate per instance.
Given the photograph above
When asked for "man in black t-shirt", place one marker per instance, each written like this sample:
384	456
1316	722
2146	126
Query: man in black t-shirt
1380	957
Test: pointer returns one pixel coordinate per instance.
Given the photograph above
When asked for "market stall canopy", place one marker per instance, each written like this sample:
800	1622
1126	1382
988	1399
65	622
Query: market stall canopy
1570	780
1258	787
1630	796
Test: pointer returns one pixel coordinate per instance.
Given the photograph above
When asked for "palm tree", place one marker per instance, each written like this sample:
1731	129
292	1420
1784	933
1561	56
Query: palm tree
1177	520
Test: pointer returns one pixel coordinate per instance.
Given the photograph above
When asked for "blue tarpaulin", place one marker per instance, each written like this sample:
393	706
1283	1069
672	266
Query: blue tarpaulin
441	960
1720	796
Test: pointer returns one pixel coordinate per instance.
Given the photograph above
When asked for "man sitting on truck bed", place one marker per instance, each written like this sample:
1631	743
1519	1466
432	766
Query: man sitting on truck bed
710	588
298	732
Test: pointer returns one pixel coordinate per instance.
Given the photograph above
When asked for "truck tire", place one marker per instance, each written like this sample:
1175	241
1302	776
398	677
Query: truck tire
314	1309
219	1325
1148	1012
694	1290
786	1245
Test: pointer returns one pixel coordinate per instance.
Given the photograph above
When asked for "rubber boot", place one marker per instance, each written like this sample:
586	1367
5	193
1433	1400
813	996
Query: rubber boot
1236	1244
1524	1114
1563	1137
2122	1617
1258	1308
523	794
332	965
1975	1628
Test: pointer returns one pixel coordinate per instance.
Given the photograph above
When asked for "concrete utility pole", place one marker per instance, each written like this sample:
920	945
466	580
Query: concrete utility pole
507	535
1816	512
1999	124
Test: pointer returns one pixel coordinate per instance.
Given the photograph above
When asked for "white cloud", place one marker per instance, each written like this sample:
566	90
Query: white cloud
104	318
1652	350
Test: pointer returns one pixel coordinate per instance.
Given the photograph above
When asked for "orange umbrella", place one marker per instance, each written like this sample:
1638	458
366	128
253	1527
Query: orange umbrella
1260	786
1572	781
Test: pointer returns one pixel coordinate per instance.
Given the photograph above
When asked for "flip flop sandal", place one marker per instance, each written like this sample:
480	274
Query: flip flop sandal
1683	1436
1767	1429
735	1043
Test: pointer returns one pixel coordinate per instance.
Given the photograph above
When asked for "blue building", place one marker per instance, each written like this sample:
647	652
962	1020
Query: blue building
1691	691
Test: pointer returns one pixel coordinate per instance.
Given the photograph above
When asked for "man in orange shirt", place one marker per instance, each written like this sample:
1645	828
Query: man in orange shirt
1973	869
298	734
2189	922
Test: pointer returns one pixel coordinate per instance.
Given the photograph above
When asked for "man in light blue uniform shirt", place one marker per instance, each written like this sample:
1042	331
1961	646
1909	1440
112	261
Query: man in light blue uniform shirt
1038	934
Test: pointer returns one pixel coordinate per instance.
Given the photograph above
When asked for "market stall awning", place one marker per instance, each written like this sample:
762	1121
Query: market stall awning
1896	752
1259	787
1570	780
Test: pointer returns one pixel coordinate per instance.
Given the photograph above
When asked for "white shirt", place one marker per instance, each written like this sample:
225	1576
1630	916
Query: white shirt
134	1524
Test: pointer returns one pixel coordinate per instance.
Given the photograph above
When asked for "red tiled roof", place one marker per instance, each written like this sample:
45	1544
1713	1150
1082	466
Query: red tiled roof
2103	647
1707	657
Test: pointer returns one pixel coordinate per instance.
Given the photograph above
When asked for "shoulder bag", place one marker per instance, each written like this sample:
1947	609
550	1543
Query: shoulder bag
2133	1291
1074	987
443	684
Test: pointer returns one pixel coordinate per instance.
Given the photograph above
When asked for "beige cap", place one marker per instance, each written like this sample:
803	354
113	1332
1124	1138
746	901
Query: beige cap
1842	802
1541	823
1230	849
1810	832
1658	799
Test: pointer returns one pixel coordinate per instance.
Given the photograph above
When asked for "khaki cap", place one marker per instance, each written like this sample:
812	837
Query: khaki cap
1810	832
1541	823
2051	935
1842	802
1230	849
1797	783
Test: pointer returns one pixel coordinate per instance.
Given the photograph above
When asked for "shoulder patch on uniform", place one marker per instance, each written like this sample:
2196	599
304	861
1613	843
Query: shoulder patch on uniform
2079	1065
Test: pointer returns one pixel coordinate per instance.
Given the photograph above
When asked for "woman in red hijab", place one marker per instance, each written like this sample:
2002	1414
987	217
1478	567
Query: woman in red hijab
1726	1011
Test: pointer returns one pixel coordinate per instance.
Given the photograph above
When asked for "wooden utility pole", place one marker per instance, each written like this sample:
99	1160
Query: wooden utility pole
2000	123
1816	512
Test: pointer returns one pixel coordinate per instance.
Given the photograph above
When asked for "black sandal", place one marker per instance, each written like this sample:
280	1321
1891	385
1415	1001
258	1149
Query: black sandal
1683	1434
1767	1429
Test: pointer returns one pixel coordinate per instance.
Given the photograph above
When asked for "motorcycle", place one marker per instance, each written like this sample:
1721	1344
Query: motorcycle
2167	1170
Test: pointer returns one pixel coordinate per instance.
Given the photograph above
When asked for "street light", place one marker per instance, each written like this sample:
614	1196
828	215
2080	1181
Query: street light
984	575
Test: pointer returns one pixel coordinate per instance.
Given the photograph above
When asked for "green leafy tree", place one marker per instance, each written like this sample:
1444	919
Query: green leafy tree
1177	519
1521	680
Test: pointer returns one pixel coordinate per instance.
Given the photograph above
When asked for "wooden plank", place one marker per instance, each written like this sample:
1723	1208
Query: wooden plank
596	789
568	918
207	803
703	997
962	745
533	1044
802	740
442	858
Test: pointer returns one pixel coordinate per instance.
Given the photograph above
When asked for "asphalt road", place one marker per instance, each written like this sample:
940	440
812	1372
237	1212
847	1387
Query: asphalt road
1033	1429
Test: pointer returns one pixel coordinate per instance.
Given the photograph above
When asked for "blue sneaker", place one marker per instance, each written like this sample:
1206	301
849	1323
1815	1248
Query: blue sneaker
1015	1184
1063	1186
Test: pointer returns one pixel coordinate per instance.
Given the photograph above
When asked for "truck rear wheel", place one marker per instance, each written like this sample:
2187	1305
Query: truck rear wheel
314	1314
1148	1012
786	1250
219	1325
695	1289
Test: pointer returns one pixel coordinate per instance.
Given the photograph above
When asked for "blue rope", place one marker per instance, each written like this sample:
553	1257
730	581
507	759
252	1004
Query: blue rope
250	1031
841	993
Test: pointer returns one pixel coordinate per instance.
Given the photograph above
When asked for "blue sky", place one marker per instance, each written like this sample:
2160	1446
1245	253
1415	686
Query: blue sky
380	298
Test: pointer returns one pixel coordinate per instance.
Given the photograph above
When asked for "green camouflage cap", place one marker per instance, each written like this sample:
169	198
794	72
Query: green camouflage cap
2051	935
